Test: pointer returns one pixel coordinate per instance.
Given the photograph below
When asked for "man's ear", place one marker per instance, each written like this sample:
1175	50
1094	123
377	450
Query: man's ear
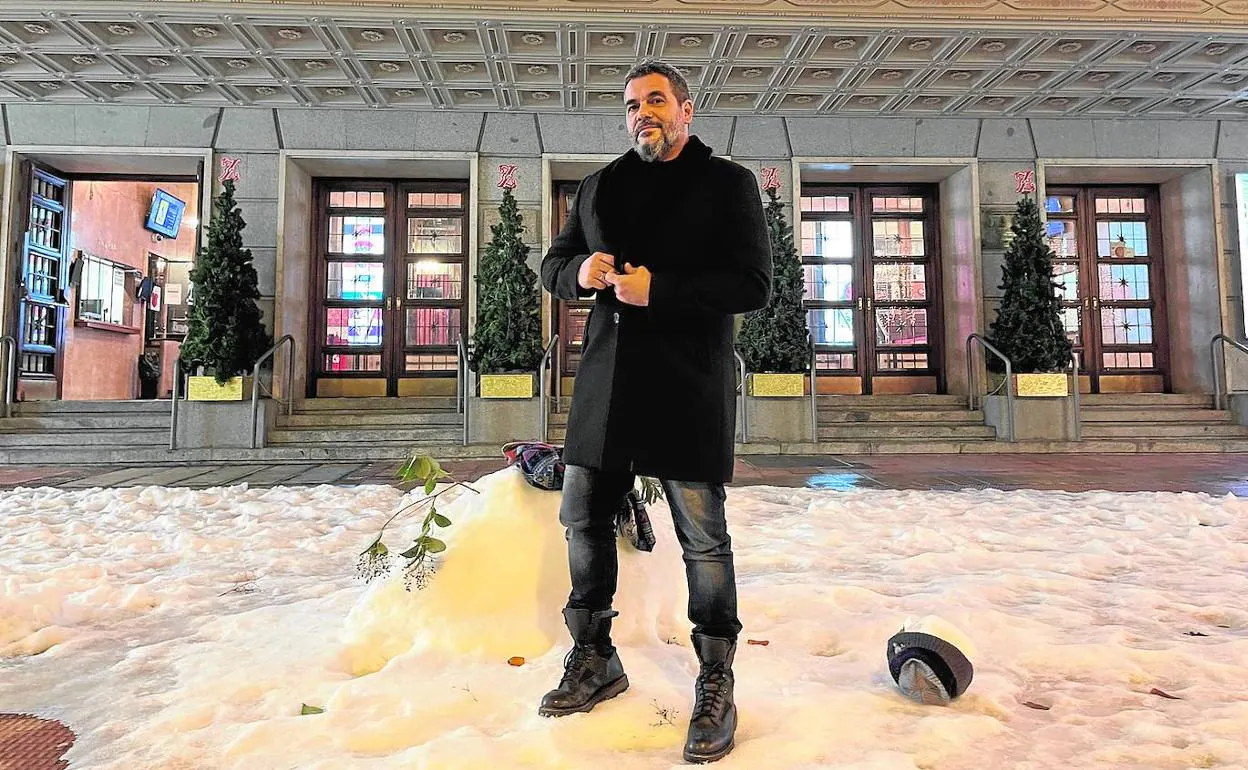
686	111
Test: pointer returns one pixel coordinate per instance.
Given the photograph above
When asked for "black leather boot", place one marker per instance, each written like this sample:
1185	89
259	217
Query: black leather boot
714	719
592	671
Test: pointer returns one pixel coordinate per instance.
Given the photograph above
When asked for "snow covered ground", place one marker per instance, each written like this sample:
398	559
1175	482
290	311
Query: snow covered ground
184	629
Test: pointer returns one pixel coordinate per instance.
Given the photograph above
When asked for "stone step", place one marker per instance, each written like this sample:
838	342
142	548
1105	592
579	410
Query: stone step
161	455
887	401
832	415
87	421
356	436
1147	399
1163	430
404	404
873	432
367	419
65	408
1177	414
86	438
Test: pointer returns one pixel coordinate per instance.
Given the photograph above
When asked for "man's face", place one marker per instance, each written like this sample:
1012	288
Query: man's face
657	121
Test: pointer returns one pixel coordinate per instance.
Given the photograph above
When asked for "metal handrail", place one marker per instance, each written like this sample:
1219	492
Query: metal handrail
10	374
1219	376
173	415
461	372
255	385
557	370
1074	392
814	401
542	382
745	402
972	383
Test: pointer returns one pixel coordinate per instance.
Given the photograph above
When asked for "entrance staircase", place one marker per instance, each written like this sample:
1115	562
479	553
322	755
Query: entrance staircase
390	429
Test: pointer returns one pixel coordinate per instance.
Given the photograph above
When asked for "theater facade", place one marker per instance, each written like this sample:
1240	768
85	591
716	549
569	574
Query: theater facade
367	142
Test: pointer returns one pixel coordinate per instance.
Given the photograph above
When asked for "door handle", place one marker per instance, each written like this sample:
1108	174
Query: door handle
870	305
1096	303
861	304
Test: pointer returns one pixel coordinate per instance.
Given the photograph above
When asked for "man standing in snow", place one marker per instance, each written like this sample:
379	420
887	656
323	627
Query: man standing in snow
673	243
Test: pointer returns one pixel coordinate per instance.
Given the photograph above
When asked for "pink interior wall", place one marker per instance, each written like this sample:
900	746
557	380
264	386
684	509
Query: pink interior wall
107	222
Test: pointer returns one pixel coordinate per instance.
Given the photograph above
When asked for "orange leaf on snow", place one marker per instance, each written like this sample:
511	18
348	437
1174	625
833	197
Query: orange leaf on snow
516	661
759	642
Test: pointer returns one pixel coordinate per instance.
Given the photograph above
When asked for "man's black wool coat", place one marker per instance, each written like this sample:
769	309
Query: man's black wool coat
655	389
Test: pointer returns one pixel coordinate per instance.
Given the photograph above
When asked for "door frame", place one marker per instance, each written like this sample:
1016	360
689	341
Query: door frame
51	157
862	306
393	321
1089	278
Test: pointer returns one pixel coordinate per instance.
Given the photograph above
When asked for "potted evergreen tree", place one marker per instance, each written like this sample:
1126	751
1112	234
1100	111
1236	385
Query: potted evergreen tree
775	344
1028	328
225	335
774	341
507	339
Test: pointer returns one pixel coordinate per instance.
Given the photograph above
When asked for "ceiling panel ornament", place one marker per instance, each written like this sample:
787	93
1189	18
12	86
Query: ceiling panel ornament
260	54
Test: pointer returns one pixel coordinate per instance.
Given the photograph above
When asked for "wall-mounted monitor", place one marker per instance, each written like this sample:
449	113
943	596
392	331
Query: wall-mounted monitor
165	216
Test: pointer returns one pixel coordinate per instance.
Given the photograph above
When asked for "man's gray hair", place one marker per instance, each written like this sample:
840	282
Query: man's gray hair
680	87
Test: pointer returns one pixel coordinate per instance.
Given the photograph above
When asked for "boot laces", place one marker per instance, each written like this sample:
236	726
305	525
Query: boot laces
711	690
575	662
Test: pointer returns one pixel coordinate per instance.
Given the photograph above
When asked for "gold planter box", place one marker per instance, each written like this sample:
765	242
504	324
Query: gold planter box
207	389
506	386
1041	385
778	385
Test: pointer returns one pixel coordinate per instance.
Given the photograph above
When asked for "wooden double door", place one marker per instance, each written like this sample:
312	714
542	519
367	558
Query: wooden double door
1109	265
390	287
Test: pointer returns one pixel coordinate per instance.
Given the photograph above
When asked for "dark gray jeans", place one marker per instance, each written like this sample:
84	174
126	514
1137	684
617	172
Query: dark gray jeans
590	500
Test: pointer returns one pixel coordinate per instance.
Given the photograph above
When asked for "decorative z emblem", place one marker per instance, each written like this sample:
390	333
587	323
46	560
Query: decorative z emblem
771	178
1024	182
229	170
507	177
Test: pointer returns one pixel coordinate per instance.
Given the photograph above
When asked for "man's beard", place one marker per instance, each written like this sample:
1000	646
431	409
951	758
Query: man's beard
651	152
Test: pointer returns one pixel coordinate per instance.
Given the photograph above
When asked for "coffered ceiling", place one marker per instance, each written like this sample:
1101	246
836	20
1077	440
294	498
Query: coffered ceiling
259	54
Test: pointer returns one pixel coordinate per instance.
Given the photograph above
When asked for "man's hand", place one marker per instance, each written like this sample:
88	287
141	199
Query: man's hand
594	271
633	287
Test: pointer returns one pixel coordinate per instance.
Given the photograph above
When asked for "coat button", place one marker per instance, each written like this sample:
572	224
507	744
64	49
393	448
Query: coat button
615	317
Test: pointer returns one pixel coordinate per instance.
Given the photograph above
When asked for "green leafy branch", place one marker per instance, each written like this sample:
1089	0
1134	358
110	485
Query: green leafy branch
423	470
